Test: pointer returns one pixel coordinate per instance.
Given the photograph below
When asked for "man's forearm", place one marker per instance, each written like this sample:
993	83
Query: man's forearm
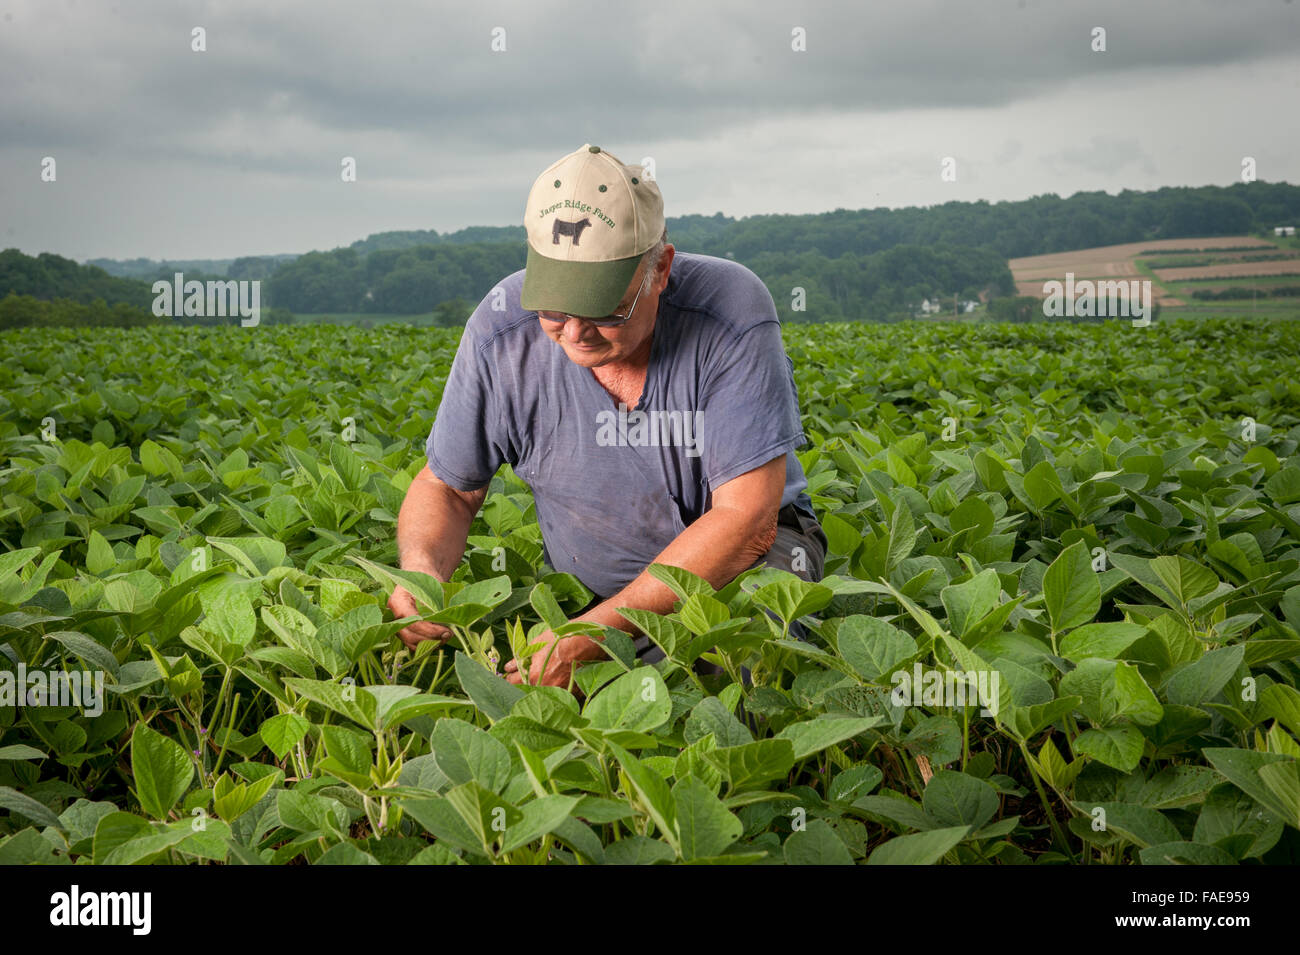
717	547
432	528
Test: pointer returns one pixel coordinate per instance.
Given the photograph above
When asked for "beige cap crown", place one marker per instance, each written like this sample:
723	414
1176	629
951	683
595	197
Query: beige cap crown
589	219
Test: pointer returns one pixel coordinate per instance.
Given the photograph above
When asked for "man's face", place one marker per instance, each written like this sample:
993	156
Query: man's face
591	346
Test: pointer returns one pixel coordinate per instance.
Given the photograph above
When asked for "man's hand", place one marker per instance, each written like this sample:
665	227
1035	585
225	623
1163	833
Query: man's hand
563	653
402	604
431	532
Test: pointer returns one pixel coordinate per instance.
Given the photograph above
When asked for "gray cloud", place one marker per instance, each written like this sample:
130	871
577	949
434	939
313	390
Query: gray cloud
244	140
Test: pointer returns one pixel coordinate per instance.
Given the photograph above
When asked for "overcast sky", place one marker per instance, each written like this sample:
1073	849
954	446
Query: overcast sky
165	152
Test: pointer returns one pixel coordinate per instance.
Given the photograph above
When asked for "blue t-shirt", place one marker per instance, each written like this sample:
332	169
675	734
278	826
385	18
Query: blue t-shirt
614	486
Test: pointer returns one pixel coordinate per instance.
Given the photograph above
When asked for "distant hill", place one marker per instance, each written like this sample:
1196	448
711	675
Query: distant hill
246	267
388	241
851	263
48	276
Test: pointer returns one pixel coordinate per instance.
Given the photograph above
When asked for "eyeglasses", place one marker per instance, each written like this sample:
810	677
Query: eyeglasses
609	321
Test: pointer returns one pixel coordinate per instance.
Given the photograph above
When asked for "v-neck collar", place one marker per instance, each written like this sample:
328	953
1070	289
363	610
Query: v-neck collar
652	366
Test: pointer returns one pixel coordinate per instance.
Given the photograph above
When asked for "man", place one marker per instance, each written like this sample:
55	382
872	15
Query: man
646	399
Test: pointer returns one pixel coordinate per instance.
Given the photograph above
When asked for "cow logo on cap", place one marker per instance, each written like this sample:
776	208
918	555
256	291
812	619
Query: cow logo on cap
572	229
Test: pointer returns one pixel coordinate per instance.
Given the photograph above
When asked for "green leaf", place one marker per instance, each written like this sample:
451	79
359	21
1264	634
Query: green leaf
488	816
145	847
281	733
29	847
938	738
298	632
342	698
1246	770
1141	826
1282	703
113	830
345	853
1071	591
230	800
711	716
653	793
493	695
967	603
701	613
537	818
1198	682
1284	486
872	647
681	582
309	812
1052	766
920	848
25	805
21	751
1233	821
426	589
638	701
704	825
1105	640
854	783
445	823
100	558
752	764
1028	720
229	614
16	560
792	599
466	753
162	771
349	467
87	649
902	536
1127	695
1042	484
1185	579
812	736
668	635
543	601
956	799
1174	580
257	555
349	748
638	850
816	845
1184	853
1119	746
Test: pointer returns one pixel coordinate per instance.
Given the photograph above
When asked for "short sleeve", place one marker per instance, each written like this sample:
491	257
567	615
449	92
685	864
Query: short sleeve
466	445
749	409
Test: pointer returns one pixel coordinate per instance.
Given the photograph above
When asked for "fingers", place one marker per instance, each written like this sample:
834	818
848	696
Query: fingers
423	630
401	603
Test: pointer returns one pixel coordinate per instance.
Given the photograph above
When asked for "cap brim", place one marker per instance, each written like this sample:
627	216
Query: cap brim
587	289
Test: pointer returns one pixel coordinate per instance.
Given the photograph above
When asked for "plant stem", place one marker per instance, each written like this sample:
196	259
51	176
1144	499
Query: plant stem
234	709
1058	836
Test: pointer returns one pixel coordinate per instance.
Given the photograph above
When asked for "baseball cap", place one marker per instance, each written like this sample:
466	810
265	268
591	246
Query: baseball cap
589	219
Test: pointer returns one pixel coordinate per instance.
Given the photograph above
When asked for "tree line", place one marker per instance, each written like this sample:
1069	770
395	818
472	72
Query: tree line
867	264
27	311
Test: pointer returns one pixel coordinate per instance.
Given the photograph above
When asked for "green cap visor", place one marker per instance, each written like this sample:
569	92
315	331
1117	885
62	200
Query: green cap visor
585	289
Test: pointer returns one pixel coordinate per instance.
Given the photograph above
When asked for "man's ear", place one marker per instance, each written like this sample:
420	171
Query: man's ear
665	267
